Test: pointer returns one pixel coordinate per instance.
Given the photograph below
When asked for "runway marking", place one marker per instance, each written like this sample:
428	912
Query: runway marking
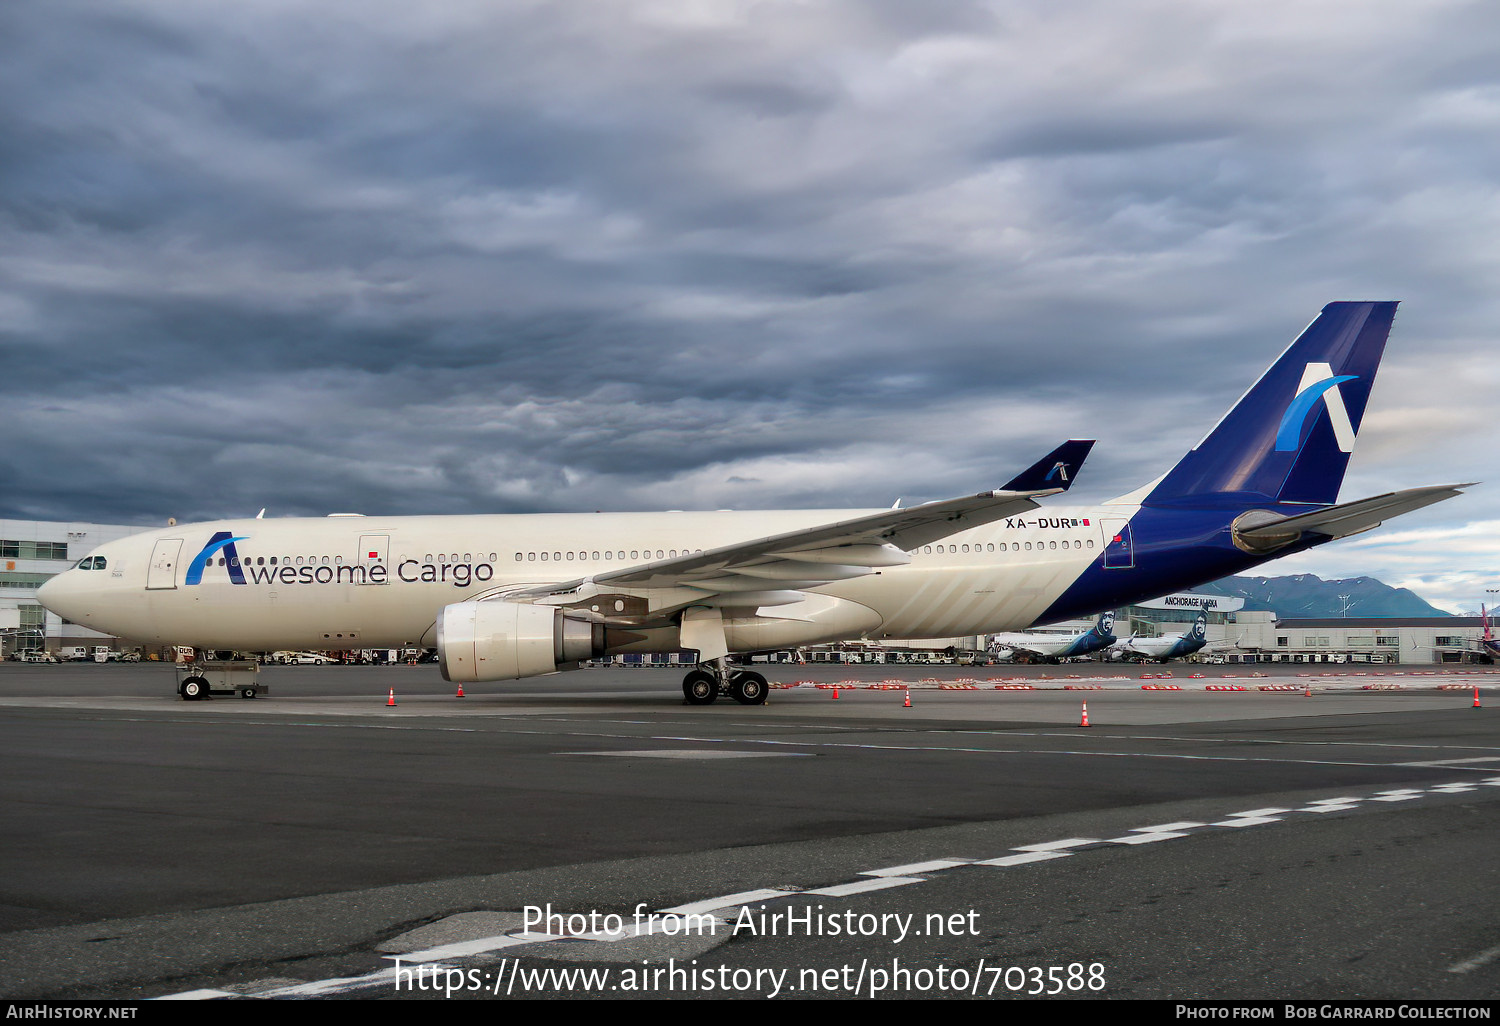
1151	835
914	868
728	901
875	880
1021	860
863	886
699	754
1072	842
1483	958
1445	763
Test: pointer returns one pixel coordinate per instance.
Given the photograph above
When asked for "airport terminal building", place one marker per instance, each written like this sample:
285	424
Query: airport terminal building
32	551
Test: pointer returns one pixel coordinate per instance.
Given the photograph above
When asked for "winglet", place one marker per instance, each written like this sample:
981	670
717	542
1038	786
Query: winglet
1057	469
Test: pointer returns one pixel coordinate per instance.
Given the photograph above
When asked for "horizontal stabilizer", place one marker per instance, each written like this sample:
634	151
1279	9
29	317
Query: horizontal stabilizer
1336	521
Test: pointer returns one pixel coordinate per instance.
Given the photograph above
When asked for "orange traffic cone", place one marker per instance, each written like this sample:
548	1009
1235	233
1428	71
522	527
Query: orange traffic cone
835	692
908	699
1308	692
1085	722
392	699
460	692
1476	696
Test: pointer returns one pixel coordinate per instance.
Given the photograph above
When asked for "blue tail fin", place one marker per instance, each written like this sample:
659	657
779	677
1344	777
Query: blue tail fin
1289	438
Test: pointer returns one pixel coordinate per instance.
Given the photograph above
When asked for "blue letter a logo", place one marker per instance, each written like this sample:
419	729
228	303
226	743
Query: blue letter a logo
221	540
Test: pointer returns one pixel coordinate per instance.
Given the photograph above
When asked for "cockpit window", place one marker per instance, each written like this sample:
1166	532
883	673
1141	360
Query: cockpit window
91	563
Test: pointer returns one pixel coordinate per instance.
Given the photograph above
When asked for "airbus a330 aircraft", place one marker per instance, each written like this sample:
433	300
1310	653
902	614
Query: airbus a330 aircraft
1052	647
506	597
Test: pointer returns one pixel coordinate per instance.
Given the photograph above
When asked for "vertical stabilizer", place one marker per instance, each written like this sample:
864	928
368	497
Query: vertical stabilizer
1289	438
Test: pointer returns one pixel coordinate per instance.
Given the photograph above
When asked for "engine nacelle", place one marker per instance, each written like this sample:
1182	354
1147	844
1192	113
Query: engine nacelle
501	640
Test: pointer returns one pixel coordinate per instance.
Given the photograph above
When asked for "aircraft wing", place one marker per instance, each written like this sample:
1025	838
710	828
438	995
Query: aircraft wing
764	571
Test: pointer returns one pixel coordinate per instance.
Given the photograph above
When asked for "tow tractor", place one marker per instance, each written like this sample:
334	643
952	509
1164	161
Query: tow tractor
201	679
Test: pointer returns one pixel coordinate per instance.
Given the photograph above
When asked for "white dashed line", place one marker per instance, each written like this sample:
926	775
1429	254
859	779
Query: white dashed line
914	868
1072	842
1021	860
874	880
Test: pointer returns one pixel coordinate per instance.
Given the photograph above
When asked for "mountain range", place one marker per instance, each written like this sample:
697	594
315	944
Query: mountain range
1307	595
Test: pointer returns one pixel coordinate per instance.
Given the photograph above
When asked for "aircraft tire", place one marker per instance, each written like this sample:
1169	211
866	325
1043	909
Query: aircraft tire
700	688
748	688
194	689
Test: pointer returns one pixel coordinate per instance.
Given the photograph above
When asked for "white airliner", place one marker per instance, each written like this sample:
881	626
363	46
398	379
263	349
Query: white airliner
506	597
1030	647
1168	646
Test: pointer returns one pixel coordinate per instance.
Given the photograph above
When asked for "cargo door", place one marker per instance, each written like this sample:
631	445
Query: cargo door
162	573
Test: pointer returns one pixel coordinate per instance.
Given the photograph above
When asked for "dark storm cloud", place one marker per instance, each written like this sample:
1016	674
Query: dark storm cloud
529	256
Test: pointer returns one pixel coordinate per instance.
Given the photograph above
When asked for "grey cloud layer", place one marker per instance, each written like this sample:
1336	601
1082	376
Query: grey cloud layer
479	257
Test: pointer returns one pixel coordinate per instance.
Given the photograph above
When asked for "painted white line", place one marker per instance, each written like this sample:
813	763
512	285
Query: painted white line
698	753
1021	860
323	988
727	901
1329	808
1440	763
1072	842
464	949
1405	794
1483	958
1186	824
1249	821
935	865
1453	788
1346	800
1149	838
1258	812
862	886
198	995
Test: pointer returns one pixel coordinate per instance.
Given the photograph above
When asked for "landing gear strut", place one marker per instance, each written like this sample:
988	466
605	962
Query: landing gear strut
707	681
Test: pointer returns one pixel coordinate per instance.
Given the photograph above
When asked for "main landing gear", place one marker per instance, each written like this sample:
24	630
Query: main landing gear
710	680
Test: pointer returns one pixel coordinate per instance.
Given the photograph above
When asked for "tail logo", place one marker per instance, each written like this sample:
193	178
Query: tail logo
1318	383
1059	470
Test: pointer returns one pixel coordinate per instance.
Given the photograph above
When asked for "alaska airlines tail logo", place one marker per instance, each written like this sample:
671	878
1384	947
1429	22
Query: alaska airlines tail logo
221	540
1318	382
1200	627
1106	623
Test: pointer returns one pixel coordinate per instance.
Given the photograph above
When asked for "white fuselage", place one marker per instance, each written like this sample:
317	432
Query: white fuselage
354	582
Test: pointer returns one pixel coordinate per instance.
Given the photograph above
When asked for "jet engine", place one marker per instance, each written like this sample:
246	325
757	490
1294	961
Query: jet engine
501	640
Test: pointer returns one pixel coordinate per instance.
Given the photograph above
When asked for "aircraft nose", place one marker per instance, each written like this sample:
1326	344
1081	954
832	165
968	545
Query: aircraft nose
55	595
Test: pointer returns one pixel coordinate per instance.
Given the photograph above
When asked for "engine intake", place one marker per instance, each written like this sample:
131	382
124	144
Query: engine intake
499	640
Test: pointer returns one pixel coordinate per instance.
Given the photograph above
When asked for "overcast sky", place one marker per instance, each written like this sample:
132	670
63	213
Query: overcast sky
510	256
